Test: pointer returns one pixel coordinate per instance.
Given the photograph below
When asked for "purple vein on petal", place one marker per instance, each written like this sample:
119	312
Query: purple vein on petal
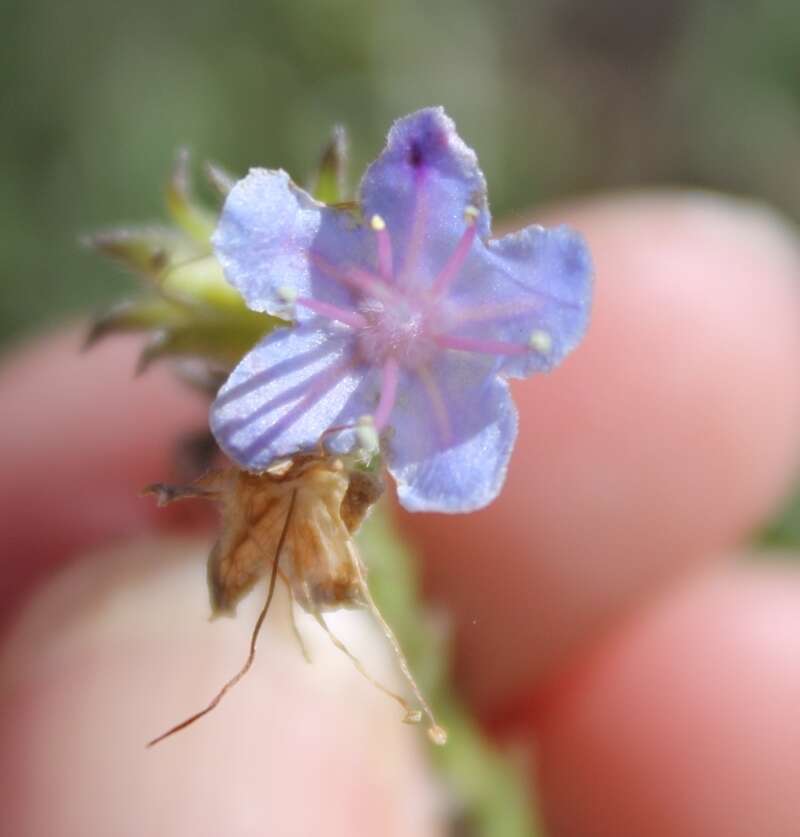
291	364
418	225
234	425
322	386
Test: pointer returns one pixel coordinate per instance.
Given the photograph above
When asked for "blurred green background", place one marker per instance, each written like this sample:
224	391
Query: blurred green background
557	96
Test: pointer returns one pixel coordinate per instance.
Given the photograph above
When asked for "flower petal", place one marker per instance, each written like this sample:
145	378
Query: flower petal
274	241
285	394
531	286
420	185
454	429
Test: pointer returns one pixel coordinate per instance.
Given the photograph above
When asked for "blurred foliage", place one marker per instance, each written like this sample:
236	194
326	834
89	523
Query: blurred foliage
557	96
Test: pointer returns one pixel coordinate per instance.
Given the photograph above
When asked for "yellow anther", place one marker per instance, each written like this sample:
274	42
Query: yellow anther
287	294
367	435
377	223
541	342
471	214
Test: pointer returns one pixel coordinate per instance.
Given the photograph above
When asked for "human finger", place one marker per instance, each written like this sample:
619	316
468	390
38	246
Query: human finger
80	437
684	719
115	648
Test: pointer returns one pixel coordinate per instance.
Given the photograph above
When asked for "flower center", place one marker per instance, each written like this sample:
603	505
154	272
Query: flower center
401	324
401	331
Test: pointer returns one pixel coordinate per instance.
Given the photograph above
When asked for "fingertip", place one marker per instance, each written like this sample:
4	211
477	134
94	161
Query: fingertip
81	435
118	647
684	720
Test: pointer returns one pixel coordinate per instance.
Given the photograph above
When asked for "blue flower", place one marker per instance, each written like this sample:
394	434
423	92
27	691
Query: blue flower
407	319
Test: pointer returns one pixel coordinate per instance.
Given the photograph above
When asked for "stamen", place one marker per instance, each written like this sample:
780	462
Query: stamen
438	403
287	294
471	214
456	261
385	264
354	277
370	284
364	673
494	311
484	347
540	341
391	374
332	312
437	734
367	435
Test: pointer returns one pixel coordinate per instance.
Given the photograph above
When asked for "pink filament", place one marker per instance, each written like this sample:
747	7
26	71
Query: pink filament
485	347
385	265
437	403
332	312
354	277
456	261
496	311
370	284
389	382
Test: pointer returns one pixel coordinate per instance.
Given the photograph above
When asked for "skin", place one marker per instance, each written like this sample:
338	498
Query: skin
604	618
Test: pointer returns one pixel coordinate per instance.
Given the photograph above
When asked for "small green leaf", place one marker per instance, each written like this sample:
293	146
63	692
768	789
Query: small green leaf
147	251
146	314
201	279
328	183
222	341
185	329
193	218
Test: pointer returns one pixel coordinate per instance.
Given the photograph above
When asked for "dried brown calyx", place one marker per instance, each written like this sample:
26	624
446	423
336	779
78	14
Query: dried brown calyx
294	522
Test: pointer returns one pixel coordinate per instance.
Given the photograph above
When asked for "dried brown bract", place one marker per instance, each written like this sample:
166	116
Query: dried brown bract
295	522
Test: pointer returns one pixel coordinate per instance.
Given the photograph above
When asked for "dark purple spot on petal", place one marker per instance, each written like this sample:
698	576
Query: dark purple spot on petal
415	155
